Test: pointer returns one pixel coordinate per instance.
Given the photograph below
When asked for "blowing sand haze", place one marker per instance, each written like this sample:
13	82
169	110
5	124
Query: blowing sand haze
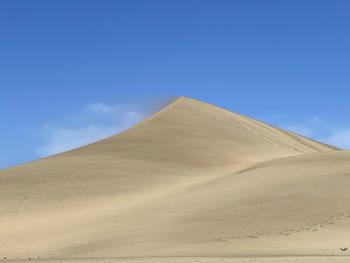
193	180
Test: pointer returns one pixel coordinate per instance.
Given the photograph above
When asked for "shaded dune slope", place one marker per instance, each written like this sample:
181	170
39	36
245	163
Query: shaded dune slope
192	179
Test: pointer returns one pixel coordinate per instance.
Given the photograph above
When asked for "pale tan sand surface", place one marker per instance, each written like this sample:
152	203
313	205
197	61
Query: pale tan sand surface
295	259
191	180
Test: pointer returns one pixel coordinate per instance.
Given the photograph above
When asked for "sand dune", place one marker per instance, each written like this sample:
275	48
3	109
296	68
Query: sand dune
191	180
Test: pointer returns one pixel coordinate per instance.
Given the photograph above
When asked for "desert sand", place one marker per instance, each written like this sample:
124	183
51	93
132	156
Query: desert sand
192	183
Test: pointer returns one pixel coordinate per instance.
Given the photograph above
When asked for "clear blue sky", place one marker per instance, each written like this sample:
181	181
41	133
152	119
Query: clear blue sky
285	62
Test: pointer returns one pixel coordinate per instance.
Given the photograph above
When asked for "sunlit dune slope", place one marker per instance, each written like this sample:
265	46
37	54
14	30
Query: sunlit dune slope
192	179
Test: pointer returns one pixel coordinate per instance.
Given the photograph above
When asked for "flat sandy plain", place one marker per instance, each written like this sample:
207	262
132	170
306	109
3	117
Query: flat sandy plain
192	180
295	259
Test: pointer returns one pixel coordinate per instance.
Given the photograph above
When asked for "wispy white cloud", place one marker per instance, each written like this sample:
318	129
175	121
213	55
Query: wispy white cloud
309	127
315	127
339	138
91	123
